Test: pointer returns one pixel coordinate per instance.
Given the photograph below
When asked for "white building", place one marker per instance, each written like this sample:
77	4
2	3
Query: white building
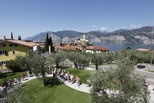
96	49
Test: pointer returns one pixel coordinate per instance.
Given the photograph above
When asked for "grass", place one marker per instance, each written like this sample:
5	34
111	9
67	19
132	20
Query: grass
10	75
149	70
105	64
58	94
83	74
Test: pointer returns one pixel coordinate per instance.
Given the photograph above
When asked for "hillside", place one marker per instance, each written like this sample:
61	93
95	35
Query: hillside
144	35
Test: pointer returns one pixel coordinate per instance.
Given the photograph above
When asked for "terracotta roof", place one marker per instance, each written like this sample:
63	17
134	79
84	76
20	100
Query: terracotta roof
96	48
144	49
80	43
67	48
21	42
42	45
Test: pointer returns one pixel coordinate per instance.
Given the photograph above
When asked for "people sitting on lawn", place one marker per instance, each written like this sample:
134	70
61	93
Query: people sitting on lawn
66	76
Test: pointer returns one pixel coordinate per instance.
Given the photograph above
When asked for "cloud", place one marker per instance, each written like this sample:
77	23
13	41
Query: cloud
135	26
93	26
123	27
103	28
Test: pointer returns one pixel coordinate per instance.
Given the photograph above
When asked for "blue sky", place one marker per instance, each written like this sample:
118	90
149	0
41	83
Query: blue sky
29	17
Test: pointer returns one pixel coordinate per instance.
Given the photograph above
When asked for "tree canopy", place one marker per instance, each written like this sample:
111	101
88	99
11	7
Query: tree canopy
119	85
48	42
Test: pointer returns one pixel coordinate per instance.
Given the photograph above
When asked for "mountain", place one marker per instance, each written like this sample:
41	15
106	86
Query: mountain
144	35
66	35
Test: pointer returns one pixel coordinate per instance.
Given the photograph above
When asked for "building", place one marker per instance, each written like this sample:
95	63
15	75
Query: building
10	48
144	49
66	48
96	49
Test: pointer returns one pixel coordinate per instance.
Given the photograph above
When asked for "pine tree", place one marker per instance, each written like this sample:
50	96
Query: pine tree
11	35
47	43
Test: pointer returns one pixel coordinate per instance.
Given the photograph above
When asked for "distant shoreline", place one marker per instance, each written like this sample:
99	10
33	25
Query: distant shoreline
118	47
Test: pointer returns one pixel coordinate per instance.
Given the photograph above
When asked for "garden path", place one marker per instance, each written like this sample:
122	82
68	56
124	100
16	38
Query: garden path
84	87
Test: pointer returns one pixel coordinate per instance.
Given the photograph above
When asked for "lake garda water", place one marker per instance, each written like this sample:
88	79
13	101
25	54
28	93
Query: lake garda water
118	47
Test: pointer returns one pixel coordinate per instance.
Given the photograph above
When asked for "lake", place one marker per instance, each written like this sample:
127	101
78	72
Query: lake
118	47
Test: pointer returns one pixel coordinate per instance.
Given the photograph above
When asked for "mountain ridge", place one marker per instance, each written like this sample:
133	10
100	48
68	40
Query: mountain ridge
143	35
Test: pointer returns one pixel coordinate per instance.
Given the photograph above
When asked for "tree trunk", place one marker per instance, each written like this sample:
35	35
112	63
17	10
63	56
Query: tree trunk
75	64
96	66
43	78
57	65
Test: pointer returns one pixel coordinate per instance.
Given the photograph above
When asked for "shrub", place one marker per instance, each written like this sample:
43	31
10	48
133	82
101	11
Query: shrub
16	96
13	65
50	81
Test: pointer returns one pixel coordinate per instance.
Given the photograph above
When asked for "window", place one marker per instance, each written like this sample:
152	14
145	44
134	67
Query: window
3	53
2	45
2	63
13	45
13	52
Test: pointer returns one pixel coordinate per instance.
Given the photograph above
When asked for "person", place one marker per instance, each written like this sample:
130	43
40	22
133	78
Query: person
28	74
78	80
19	81
71	77
79	83
5	83
89	83
66	76
1	88
21	76
15	81
74	80
10	83
146	84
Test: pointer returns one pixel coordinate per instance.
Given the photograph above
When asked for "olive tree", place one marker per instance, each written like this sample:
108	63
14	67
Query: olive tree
55	58
16	96
119	85
74	57
83	60
38	65
97	59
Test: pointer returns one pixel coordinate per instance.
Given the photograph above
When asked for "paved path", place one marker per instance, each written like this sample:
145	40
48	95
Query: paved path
84	87
149	76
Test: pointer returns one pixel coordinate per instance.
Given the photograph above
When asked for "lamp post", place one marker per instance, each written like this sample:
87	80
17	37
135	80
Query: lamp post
151	43
152	57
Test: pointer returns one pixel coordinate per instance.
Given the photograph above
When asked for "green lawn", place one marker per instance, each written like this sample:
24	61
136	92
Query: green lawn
105	64
58	94
149	71
10	75
83	74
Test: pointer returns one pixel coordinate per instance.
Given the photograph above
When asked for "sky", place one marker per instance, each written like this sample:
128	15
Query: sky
30	17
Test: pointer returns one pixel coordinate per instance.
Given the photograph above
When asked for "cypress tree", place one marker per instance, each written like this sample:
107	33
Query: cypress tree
19	37
4	37
11	35
51	44
47	43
